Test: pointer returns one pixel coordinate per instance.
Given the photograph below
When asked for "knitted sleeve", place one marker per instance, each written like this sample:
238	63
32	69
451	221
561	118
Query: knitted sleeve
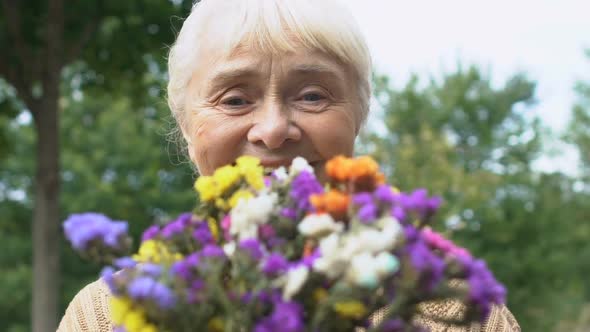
499	320
88	311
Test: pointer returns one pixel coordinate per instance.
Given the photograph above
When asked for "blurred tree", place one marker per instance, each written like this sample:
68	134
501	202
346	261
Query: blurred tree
39	40
474	143
578	132
117	158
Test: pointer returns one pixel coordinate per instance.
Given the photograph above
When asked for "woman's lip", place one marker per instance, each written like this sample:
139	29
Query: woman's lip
275	163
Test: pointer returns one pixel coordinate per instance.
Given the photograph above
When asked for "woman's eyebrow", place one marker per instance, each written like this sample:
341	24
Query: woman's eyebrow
226	76
233	74
315	69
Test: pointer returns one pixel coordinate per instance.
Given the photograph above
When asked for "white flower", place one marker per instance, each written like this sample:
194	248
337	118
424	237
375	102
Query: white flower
248	214
367	270
363	271
298	165
386	264
374	241
281	173
319	224
229	248
332	262
296	277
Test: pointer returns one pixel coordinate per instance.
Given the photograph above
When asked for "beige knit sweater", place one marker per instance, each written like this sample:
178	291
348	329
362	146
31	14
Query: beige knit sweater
89	311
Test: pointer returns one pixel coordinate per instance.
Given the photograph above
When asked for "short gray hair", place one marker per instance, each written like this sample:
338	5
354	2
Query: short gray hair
323	25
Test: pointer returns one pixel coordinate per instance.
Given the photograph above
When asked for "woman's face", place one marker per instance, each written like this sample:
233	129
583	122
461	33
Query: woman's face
272	107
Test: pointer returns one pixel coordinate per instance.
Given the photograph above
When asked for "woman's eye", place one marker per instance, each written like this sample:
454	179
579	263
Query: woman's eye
235	102
312	97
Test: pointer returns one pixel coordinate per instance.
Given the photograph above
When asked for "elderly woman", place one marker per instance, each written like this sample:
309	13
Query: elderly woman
274	79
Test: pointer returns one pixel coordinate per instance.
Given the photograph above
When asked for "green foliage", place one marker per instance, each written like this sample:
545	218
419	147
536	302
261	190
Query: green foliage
117	160
474	143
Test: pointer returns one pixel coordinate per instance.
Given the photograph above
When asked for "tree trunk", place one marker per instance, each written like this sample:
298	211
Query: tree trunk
46	230
46	227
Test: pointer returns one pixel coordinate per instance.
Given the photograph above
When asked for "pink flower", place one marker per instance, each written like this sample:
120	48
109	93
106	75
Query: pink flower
225	225
437	241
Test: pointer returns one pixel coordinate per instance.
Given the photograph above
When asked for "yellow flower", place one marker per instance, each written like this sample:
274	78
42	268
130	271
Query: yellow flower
215	325
252	171
149	328
254	177
225	177
134	321
120	306
207	188
213	228
221	204
240	194
350	309
156	252
247	162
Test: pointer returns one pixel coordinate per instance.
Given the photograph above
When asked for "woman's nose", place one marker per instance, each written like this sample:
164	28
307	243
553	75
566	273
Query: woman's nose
273	126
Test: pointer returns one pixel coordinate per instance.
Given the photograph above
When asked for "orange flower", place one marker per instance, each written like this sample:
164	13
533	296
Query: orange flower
338	168
364	167
333	202
362	172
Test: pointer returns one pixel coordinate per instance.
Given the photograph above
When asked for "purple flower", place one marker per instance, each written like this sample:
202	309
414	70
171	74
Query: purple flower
267	181
398	212
184	268
108	276
177	226
146	288
163	296
80	229
368	213
140	288
384	194
362	198
286	316
484	289
309	260
150	233
304	185
212	251
125	263
289	213
252	247
274	264
151	269
429	266
368	210
203	234
392	325
419	203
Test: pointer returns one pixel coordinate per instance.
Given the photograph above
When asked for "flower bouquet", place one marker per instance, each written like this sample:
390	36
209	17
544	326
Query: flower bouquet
285	253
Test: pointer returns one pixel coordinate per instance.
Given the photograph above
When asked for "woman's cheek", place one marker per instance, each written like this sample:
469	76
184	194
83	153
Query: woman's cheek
218	141
331	133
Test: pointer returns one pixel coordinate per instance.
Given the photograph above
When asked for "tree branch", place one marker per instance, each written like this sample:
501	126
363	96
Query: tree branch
76	47
11	75
18	74
13	21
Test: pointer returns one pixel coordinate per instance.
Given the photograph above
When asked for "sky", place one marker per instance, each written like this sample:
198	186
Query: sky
544	38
